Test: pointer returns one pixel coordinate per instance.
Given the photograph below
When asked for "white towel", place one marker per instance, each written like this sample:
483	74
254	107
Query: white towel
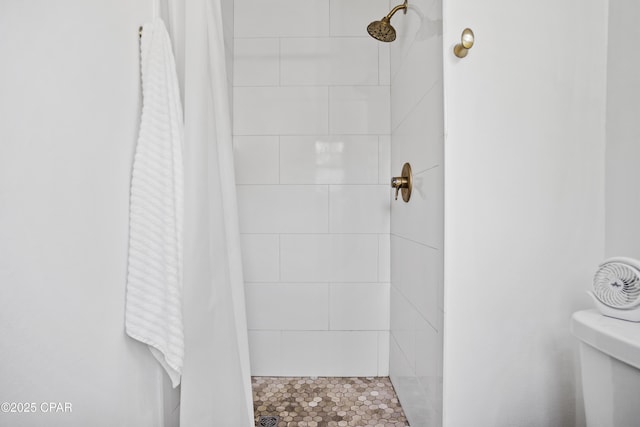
154	283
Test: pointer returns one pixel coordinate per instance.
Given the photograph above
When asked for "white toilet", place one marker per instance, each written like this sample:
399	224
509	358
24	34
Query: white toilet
610	363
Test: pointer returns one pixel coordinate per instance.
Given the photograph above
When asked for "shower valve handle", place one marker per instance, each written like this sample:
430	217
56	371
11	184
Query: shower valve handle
399	182
403	182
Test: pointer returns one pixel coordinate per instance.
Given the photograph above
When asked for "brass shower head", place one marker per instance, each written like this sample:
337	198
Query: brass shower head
382	30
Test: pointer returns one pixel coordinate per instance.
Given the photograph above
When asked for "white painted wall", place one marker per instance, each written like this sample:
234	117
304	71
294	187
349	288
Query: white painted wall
69	109
623	132
417	136
311	125
524	205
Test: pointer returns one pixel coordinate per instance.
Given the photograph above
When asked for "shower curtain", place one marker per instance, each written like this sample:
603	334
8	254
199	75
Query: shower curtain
216	382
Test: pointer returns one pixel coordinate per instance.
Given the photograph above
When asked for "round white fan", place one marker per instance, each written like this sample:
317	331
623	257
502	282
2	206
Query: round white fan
616	288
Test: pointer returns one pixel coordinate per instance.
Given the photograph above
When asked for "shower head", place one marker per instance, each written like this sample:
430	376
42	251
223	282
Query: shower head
383	30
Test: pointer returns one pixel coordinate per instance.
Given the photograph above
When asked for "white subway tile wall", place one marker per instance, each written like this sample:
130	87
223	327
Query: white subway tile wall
329	258
359	306
280	110
330	353
312	151
417	136
260	257
266	353
359	109
283	208
327	159
260	159
384	159
358	209
299	306
253	54
328	61
281	18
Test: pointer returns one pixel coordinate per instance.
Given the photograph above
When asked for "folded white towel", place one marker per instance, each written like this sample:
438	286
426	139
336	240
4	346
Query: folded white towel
154	283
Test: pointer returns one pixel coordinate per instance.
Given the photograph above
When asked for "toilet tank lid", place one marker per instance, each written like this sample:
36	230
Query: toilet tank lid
619	339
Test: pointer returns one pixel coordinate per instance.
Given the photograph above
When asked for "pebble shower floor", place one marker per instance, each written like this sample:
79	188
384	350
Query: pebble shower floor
326	402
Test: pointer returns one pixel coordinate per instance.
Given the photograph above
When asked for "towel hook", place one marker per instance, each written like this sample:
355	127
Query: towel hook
461	49
140	32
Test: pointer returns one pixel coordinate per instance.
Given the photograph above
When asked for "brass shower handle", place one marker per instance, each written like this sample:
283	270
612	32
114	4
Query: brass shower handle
466	42
398	183
403	183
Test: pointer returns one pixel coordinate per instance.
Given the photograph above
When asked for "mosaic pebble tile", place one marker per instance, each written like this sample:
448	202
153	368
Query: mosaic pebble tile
328	402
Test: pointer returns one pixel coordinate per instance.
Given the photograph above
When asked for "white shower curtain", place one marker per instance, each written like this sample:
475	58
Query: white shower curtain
216	382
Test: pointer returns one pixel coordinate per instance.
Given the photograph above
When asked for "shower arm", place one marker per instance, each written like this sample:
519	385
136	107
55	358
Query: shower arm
397	8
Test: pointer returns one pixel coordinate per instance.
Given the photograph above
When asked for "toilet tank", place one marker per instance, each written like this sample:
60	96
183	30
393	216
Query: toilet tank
610	366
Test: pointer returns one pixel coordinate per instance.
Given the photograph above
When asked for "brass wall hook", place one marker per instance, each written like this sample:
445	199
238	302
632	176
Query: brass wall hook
403	182
461	49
